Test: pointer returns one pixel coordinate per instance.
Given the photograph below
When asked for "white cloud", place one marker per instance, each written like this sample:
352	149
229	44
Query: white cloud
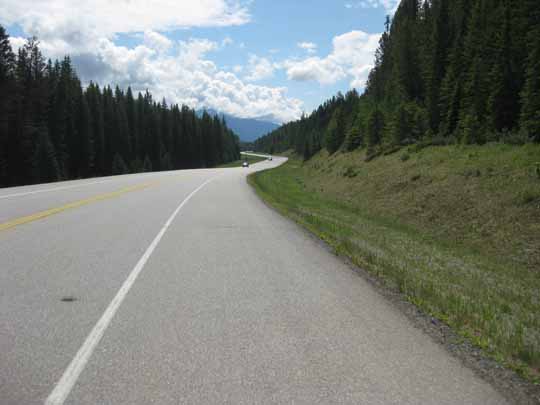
156	41
182	71
54	18
16	43
187	76
352	56
390	6
192	52
226	41
259	68
324	71
309	47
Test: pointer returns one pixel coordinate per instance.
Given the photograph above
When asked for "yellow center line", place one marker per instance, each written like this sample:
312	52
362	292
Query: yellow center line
43	214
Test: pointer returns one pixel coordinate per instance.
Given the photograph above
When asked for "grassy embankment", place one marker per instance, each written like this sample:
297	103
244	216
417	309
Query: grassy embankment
456	229
238	163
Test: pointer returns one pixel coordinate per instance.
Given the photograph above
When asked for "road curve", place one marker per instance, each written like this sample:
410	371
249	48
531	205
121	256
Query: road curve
208	297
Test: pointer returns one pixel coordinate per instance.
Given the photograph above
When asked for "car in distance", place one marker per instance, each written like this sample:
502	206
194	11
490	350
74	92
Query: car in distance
269	157
245	164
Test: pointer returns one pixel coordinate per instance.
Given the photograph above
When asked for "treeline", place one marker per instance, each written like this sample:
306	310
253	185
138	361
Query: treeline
446	71
51	128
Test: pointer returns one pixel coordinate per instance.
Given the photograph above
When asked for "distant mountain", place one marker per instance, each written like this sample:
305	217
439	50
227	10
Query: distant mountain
247	129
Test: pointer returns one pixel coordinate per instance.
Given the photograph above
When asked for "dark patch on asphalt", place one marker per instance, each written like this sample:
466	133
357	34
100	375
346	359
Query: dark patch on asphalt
68	299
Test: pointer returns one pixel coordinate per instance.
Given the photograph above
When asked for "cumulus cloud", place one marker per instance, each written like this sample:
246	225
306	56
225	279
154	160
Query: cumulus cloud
309	47
351	57
259	68
154	40
180	71
322	70
67	17
186	75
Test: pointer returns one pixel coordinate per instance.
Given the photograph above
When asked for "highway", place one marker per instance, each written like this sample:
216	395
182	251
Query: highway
184	288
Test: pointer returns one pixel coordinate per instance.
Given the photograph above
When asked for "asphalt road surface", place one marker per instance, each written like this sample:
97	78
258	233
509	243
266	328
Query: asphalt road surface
184	288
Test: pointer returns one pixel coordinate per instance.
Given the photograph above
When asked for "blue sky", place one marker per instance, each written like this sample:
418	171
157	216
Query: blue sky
259	58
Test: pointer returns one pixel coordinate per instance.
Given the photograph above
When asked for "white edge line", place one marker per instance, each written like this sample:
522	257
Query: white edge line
72	373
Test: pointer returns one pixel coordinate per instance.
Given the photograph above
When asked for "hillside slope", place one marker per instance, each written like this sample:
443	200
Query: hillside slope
455	228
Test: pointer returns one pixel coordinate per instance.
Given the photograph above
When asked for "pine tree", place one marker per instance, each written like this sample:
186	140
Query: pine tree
503	102
530	96
109	128
375	128
353	138
122	141
137	165
7	99
132	123
335	132
46	166
85	147
306	153
405	52
440	41
147	165
471	130
401	128
119	166
51	128
31	108
93	100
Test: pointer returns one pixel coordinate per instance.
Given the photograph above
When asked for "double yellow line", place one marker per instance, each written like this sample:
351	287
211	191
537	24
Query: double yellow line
47	213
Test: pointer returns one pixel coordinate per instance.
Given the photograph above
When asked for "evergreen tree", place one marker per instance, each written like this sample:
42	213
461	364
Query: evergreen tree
93	100
121	141
147	164
405	52
46	166
85	145
471	130
449	68
7	89
51	128
375	128
119	166
132	124
530	96
335	132
353	138
401	128
503	102
436	65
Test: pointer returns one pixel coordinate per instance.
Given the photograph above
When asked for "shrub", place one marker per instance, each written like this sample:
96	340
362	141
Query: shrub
350	172
514	137
529	196
371	154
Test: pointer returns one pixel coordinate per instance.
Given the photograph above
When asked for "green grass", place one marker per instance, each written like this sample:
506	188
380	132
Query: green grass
455	229
238	163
